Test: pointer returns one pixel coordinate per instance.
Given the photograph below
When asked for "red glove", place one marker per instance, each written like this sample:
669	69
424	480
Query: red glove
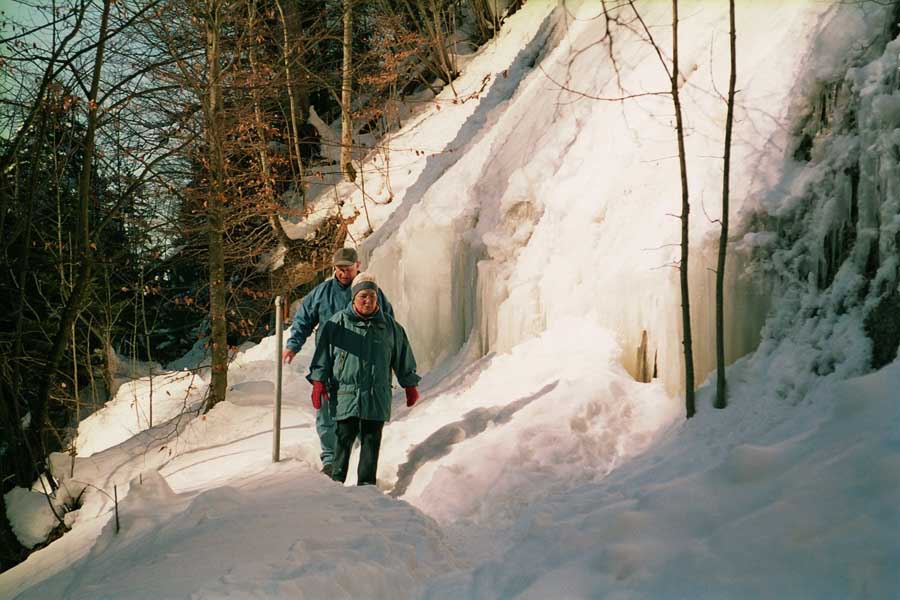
318	393
412	394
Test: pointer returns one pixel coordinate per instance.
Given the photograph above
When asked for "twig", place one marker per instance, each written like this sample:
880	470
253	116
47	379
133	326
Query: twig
600	98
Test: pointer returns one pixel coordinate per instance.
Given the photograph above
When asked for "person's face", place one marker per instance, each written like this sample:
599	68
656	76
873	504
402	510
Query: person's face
366	302
346	274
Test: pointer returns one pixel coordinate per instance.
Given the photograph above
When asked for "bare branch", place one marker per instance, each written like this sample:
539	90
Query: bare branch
600	98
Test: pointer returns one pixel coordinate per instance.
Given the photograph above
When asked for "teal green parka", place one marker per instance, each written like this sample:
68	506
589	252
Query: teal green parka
356	356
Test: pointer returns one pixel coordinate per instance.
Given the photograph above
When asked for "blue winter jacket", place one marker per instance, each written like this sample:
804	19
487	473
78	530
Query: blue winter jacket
355	356
327	299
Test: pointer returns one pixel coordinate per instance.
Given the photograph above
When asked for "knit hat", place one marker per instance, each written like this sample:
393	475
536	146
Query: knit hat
363	281
344	257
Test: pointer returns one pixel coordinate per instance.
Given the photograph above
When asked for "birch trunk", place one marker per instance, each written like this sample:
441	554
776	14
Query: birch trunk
346	83
721	384
690	407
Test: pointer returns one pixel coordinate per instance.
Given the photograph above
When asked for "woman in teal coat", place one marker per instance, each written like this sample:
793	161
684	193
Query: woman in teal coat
327	299
358	349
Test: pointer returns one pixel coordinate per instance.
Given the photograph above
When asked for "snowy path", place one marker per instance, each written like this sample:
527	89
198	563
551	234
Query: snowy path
439	443
284	532
208	482
729	495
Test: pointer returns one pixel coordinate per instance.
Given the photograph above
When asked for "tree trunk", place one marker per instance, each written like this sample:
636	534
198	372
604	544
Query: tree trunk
85	272
690	408
297	97
22	278
215	139
721	389
13	411
346	117
262	142
438	32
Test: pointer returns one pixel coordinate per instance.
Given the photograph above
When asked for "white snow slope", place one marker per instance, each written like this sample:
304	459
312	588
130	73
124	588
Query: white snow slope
524	236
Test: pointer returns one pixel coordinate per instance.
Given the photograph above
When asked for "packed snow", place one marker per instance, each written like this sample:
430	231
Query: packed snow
524	237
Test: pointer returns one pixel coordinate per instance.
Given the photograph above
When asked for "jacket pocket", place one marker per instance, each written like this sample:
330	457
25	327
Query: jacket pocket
339	368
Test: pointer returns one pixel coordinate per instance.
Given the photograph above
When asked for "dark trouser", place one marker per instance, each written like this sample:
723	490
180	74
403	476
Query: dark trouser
369	433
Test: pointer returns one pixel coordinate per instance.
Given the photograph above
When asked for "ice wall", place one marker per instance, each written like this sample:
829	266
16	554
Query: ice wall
829	230
561	204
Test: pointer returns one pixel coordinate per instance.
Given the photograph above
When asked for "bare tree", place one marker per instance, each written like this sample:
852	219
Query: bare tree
231	195
346	85
262	136
434	20
83	281
68	213
299	113
54	65
721	389
487	17
690	407
194	36
214	129
675	83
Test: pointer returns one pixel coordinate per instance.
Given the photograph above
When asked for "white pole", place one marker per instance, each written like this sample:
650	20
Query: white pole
276	426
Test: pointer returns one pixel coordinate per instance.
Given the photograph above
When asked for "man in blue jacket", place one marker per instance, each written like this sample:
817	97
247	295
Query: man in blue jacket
326	299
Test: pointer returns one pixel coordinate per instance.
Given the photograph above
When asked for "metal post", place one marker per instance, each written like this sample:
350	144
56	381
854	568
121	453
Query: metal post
276	426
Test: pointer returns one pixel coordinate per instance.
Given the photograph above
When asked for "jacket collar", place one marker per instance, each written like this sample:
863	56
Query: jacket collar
377	318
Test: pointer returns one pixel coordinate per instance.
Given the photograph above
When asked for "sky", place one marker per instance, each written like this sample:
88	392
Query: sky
526	251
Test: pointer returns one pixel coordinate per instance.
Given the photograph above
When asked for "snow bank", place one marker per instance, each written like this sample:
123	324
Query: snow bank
558	407
807	509
137	405
321	540
30	515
